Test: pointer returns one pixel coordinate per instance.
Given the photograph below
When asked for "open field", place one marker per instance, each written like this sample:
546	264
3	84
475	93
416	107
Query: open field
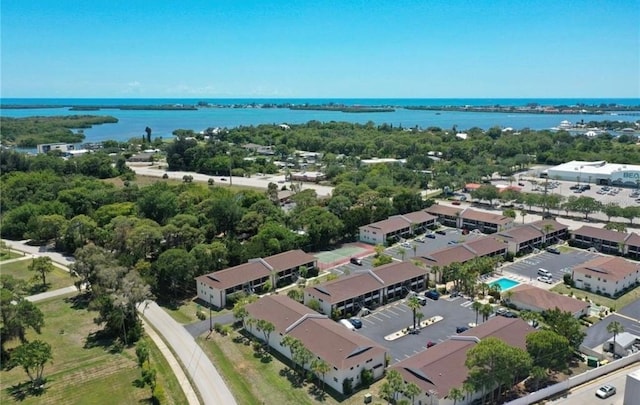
617	304
185	312
6	254
254	380
84	370
58	278
143	181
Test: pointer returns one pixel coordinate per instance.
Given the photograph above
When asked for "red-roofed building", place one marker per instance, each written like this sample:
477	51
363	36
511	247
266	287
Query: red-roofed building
281	269
439	369
528	297
367	289
535	235
396	226
606	275
347	352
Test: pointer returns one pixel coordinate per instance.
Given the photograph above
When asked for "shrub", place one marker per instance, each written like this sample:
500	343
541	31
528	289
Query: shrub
201	315
366	377
567	279
347	386
217	327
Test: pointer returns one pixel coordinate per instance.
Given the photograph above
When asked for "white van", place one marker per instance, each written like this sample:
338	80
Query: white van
544	273
347	324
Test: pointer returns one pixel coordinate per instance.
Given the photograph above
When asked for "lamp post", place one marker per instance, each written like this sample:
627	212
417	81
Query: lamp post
210	318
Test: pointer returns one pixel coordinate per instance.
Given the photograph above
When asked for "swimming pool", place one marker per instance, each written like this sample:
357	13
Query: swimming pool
504	283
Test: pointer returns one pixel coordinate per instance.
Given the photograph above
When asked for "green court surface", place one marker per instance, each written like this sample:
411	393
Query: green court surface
339	254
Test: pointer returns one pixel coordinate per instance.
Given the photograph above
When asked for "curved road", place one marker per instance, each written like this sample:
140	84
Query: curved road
210	384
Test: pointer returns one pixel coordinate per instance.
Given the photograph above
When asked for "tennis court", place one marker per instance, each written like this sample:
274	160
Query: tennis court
341	255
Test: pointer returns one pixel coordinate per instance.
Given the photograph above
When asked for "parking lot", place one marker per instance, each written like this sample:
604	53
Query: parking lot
425	246
397	316
557	264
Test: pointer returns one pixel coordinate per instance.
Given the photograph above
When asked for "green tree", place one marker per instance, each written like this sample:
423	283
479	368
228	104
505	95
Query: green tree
456	395
320	367
266	328
477	307
563	323
412	390
414	305
42	266
549	350
615	328
32	357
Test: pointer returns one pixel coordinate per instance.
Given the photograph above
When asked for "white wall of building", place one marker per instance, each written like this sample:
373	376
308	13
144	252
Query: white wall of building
211	295
372	236
598	283
333	378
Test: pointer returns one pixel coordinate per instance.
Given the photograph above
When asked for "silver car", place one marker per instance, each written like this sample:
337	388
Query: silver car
606	391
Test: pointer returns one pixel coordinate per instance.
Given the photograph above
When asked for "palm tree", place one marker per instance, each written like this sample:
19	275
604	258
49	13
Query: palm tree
615	327
476	306
419	316
414	305
320	367
402	252
456	394
411	390
546	229
486	311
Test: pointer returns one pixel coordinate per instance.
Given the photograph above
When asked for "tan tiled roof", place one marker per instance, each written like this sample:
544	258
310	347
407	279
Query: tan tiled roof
611	268
437	209
359	284
255	269
280	310
464	252
545	300
487	217
289	259
600	233
233	276
419	217
533	230
325	338
442	367
389	225
633	239
335	344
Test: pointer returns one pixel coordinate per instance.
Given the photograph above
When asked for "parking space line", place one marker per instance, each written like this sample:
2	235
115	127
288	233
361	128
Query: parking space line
400	309
395	313
383	314
367	320
375	317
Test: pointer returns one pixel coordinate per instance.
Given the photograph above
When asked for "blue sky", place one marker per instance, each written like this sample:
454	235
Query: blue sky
372	48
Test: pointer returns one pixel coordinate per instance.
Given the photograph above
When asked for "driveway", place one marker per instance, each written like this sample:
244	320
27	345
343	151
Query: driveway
597	334
557	265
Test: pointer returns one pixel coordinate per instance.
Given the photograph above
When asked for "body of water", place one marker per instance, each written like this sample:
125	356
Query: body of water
163	122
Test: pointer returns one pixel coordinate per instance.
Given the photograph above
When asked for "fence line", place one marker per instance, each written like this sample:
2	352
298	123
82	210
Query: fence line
575	381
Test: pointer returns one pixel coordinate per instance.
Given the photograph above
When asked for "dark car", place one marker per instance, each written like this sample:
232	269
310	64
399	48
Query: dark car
433	294
441	232
356	260
552	249
431	235
510	314
430	344
521	184
461	329
357	323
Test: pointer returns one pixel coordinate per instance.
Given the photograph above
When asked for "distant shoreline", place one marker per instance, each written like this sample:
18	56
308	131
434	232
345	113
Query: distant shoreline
530	108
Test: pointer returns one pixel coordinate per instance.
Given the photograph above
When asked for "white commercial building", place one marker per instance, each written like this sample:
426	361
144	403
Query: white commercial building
599	172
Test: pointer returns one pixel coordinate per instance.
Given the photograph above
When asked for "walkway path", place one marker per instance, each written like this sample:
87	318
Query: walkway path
210	384
192	397
62	262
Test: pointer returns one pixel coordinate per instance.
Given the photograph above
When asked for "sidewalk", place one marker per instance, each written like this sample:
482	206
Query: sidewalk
192	397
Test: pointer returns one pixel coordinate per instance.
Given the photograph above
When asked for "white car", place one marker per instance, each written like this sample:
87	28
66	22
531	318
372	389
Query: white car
405	244
544	279
606	391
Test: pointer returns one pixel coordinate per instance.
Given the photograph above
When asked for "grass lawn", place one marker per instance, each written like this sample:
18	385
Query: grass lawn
617	304
184	312
254	380
58	278
84	371
6	254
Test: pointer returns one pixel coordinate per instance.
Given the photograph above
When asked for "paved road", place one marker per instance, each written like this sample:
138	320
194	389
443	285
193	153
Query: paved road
51	294
198	328
210	384
585	394
56	257
258	182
